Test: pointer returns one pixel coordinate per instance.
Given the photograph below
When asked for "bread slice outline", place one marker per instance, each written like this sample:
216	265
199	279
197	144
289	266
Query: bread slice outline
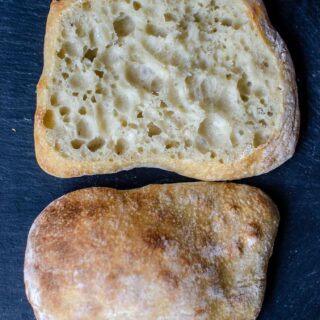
179	251
279	148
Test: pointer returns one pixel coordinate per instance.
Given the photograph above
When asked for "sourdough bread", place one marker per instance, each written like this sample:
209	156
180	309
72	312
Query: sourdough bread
169	252
202	88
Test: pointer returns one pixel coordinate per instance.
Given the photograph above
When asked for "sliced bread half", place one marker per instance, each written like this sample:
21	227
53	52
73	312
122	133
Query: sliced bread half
203	88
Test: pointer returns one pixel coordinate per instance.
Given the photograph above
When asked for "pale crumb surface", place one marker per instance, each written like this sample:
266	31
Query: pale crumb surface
184	79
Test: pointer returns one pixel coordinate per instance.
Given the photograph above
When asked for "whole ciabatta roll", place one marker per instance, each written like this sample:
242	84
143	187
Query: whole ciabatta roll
203	88
164	252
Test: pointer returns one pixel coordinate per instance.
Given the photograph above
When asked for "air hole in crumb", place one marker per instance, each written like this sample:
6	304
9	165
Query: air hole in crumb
163	105
237	25
95	144
169	113
75	94
68	60
121	103
172	144
98	64
188	143
262	101
66	119
120	147
244	87
258	140
169	17
229	76
48	119
99	73
197	18
244	98
266	64
258	93
226	22
153	130
91	54
212	155
141	76
156	85
241	132
86	6
270	114
77	82
54	100
140	115
124	123
79	31
93	99
92	38
133	126
83	110
64	110
85	97
99	90
70	49
221	161
155	30
65	75
61	54
76	144
263	123
83	129
57	147
136	5
123	26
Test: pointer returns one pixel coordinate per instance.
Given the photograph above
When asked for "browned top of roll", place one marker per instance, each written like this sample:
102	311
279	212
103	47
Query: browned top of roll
182	251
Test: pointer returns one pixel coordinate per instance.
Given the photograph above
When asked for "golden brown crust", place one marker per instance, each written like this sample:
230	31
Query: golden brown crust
265	158
283	146
181	251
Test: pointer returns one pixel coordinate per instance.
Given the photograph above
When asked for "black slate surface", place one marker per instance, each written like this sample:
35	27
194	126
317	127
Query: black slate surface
293	290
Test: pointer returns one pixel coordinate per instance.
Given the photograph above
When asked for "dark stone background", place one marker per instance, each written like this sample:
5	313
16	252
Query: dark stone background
293	290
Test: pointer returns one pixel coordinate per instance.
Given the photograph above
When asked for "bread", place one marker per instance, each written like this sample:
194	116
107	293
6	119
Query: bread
181	251
202	88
